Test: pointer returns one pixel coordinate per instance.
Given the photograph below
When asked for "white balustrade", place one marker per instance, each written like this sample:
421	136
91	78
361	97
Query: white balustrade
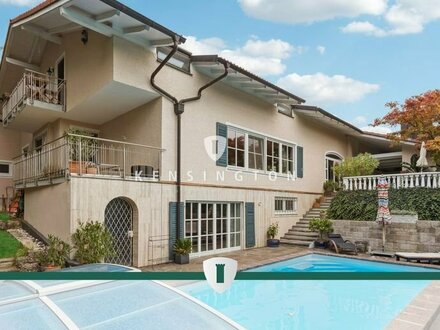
396	181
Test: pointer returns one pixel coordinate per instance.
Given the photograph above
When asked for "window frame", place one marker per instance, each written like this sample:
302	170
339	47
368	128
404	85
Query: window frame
10	166
178	56
265	138
283	201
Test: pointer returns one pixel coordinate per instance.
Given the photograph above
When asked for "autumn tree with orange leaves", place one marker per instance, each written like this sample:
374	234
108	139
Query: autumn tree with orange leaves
419	120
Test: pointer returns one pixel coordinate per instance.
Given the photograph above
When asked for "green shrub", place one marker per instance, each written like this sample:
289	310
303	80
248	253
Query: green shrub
272	231
362	164
55	253
361	205
92	242
182	246
4	216
330	186
322	226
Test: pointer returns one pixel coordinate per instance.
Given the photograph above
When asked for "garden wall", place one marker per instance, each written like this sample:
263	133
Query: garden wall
423	236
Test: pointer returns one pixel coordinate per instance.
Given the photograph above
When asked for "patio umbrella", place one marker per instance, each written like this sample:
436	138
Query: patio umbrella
422	161
383	212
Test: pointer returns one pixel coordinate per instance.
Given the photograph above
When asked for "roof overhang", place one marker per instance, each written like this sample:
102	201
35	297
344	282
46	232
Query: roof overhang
29	33
241	79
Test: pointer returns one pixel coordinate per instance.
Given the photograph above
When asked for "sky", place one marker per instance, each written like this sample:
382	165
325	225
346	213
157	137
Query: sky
348	57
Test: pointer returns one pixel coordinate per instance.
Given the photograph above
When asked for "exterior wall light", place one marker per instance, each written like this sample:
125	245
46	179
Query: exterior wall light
84	36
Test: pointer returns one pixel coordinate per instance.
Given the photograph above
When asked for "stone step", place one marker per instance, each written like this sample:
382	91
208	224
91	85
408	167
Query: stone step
6	263
302	233
294	242
301	224
301	229
8	269
299	238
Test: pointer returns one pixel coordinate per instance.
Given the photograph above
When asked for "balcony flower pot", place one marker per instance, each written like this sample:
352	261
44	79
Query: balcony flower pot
272	231
182	248
74	166
181	259
273	242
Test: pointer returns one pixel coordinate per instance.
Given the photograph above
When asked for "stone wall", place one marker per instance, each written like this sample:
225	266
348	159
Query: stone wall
423	236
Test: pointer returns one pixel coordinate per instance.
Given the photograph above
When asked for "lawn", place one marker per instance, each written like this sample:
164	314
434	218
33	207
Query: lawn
4	216
8	245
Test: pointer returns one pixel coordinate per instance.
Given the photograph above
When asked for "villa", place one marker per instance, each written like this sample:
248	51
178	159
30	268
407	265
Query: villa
105	117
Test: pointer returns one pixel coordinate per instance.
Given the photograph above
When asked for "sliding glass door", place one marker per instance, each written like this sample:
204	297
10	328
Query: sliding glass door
213	226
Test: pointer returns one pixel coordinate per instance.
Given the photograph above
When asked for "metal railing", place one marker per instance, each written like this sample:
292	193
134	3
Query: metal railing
34	86
80	155
396	181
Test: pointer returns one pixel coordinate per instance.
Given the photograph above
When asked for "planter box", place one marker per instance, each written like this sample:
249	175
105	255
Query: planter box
273	242
404	218
181	259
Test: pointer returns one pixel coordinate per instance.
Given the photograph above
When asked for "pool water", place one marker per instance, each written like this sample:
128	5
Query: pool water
314	304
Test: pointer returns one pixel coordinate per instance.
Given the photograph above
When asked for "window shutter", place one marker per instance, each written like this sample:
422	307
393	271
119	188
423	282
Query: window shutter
222	132
173	224
300	162
250	224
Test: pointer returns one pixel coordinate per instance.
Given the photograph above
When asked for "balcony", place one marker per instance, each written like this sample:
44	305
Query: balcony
83	156
396	181
35	100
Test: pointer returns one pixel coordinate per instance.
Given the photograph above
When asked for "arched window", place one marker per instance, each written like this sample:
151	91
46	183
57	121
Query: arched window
331	159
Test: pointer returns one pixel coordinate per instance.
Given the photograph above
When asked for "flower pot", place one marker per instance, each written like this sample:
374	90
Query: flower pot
74	166
92	170
273	242
316	205
181	259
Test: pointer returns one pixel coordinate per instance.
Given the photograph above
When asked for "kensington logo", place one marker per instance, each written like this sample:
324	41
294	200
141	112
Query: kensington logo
220	273
215	146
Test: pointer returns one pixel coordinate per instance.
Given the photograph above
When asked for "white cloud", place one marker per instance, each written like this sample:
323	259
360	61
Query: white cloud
359	120
403	17
377	129
306	11
322	89
19	2
264	57
321	50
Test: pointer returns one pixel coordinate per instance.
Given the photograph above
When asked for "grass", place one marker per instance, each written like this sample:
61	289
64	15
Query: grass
4	216
8	245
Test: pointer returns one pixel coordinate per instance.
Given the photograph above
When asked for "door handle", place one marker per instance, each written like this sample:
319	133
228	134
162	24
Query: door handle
130	233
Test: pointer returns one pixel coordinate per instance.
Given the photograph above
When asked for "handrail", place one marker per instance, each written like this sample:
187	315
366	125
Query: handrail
396	181
115	141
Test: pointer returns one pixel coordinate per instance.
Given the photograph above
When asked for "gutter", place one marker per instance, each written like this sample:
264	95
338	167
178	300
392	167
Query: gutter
179	109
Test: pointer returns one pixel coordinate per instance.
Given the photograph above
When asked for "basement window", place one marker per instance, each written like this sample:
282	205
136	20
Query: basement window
5	169
286	205
180	60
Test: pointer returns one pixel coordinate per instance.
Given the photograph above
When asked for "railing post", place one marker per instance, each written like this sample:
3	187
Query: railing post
124	162
80	156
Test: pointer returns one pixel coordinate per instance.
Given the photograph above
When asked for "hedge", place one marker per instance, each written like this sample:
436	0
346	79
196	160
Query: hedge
361	205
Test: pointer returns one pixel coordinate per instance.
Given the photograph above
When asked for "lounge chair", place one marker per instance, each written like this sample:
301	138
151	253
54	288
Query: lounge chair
418	257
337	243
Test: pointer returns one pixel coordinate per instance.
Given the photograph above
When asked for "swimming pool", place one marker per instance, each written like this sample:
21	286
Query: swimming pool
314	304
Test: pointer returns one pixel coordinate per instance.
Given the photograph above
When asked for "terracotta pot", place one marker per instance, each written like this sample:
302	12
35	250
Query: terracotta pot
50	268
316	204
74	166
92	170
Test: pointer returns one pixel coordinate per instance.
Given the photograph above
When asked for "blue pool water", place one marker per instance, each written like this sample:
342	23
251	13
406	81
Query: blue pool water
314	304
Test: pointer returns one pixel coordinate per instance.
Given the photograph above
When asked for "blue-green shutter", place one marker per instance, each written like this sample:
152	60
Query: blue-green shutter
250	224
222	131
299	162
173	224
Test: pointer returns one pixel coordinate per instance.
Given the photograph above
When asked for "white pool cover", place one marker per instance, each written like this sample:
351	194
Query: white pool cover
103	305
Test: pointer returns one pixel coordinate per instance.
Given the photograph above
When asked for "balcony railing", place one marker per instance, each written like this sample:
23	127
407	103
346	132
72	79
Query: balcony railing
396	181
79	155
34	86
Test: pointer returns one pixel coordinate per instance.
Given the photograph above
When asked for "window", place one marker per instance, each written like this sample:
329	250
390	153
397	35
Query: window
287	157
5	169
236	148
331	159
213	226
285	205
273	156
180	60
255	152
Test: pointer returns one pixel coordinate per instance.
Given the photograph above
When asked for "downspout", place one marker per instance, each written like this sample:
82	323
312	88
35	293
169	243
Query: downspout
179	109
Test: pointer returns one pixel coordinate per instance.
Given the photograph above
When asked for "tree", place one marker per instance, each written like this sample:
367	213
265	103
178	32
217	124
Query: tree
360	165
419	120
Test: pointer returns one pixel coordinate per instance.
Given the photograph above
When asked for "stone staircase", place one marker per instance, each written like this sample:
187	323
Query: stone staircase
300	234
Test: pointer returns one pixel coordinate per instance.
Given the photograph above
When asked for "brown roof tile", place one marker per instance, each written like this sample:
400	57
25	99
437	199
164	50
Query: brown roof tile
34	10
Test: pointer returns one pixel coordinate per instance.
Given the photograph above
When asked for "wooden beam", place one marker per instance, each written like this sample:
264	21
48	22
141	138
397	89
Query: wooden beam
161	42
22	64
88	22
135	29
64	28
107	15
39	32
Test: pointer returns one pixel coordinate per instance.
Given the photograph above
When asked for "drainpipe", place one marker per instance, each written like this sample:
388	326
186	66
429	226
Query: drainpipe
179	109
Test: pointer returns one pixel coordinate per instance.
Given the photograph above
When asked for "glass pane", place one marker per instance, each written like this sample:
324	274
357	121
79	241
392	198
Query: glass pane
232	210
187	228
240	158
219	210
290	167
203	243
203	229
285	166
210	226
225	210
269	148
195	210
224	241
204	214
224	226
188	211
195	228
195	245
276	149
276	165
231	138
237	239
240	141
210	211
232	240
219	242
218	226
210	243
232	225
231	157
237	225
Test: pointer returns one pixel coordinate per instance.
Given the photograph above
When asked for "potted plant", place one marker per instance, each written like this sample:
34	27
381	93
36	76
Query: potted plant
272	231
92	243
323	227
182	248
54	255
87	152
316	203
329	187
